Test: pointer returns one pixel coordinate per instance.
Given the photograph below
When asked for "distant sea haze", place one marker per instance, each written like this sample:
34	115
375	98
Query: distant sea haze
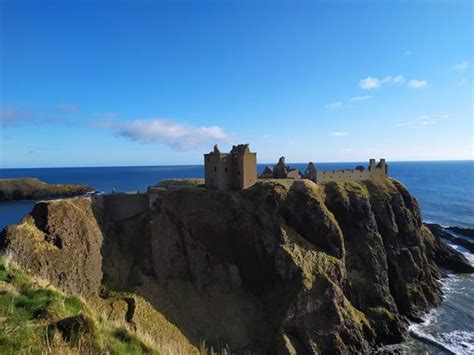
445	190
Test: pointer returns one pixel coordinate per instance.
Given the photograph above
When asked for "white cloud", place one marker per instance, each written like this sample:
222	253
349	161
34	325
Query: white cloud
373	82
426	123
334	105
360	98
172	133
404	124
399	79
417	84
423	120
461	66
369	83
340	134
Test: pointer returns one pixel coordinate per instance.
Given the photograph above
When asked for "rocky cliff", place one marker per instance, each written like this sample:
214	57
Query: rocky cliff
284	267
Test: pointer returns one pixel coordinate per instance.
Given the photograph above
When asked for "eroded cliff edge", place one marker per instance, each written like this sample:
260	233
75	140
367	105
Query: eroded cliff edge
286	266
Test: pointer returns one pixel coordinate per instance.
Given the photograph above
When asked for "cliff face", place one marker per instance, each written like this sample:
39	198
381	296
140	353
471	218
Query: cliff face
59	241
283	267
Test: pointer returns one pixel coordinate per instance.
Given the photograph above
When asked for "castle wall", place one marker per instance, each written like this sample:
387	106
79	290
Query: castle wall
341	175
349	175
218	171
120	206
247	171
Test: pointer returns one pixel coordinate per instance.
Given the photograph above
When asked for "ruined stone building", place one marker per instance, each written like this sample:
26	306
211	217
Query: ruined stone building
280	171
359	173
236	170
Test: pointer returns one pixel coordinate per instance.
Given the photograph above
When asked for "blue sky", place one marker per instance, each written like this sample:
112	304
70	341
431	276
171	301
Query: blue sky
102	83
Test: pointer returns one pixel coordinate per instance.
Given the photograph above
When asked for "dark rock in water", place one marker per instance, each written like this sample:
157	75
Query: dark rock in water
286	266
440	232
33	189
467	232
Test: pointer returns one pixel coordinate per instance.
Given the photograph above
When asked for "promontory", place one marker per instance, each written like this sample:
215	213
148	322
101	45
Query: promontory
283	267
32	189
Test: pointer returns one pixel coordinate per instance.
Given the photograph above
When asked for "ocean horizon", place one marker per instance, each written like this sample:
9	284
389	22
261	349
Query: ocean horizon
259	164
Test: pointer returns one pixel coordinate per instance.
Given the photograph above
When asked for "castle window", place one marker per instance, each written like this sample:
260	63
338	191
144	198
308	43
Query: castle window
208	160
215	169
238	172
225	170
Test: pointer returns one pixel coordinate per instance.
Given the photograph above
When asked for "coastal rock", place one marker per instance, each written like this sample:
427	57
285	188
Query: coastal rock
287	266
58	241
31	189
444	255
467	232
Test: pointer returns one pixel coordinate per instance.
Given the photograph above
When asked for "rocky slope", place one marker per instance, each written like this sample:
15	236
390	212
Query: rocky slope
31	189
284	267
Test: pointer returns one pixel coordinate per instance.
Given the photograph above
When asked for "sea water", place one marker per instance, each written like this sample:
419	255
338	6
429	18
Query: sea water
445	191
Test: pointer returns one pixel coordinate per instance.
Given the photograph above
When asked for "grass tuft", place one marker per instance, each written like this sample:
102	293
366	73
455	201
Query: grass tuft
38	319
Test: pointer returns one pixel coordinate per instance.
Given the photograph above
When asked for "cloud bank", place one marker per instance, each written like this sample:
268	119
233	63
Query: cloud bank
423	120
417	84
171	133
360	98
373	82
340	134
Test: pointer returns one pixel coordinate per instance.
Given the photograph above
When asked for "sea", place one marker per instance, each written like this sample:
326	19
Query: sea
444	190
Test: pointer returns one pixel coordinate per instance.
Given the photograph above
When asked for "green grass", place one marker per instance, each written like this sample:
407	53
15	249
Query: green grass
32	188
29	316
176	183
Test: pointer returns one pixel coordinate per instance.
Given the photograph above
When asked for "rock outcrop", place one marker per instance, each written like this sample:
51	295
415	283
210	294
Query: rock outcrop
32	189
58	241
444	255
286	266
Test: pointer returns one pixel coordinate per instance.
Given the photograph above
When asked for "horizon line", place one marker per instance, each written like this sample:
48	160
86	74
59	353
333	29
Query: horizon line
265	163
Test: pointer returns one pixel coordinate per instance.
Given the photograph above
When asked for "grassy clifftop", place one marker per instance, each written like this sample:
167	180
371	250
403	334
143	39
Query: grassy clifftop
31	188
35	318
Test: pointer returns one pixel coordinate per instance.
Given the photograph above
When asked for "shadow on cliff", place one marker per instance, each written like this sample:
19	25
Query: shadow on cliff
188	262
284	265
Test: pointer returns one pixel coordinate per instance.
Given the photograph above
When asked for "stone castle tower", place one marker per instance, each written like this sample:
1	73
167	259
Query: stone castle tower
236	170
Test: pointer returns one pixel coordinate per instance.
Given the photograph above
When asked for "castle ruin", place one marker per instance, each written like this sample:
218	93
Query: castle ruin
280	171
359	173
236	170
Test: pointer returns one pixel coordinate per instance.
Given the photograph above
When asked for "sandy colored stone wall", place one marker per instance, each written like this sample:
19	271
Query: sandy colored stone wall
246	174
349	175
